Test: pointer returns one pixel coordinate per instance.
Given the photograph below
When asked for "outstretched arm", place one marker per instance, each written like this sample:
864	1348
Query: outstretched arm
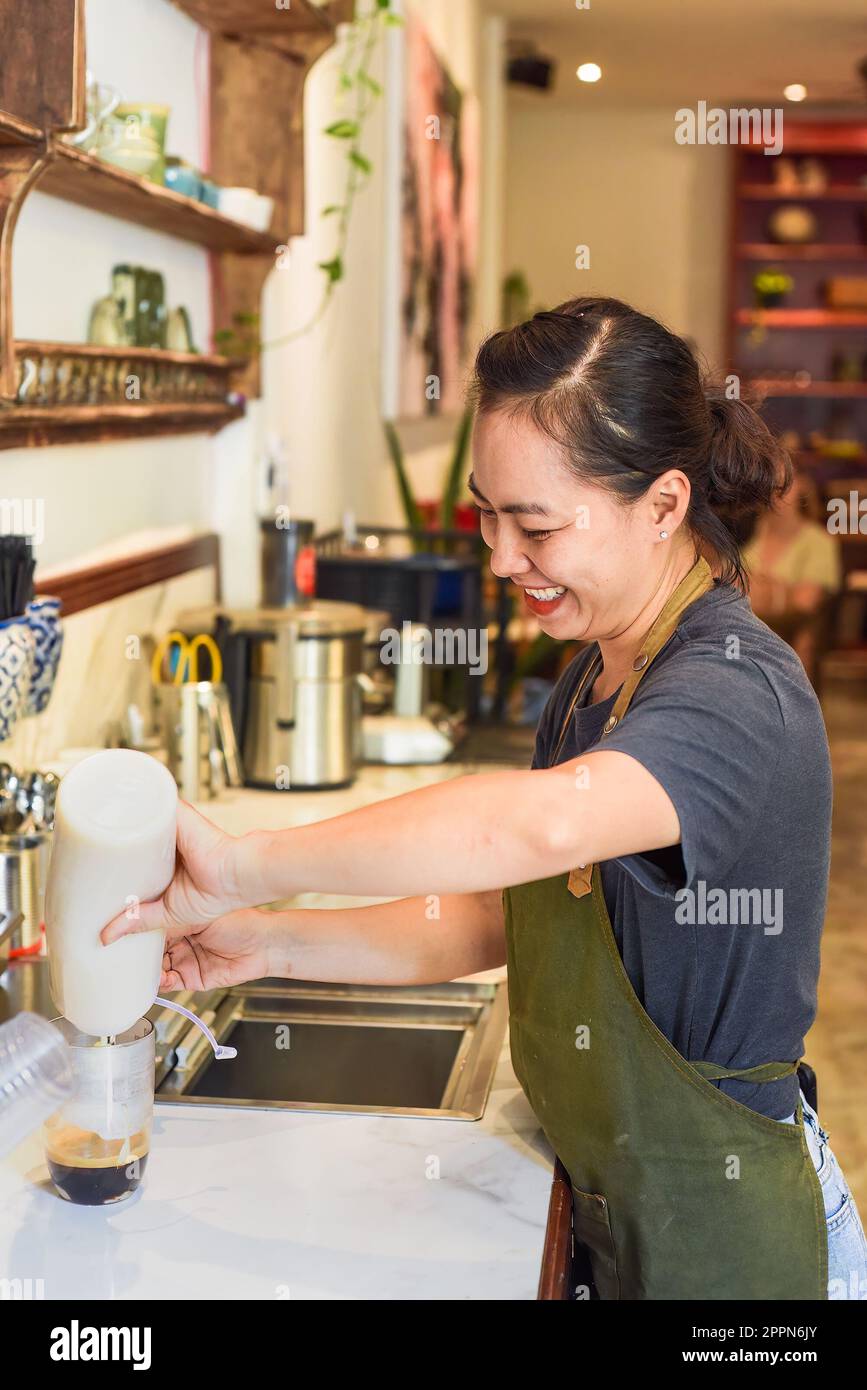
410	942
471	835
490	830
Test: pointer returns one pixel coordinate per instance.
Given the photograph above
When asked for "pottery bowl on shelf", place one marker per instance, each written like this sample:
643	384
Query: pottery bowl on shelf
181	177
150	120
247	206
131	147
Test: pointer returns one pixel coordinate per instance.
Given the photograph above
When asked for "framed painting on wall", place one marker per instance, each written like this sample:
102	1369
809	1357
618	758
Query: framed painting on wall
432	227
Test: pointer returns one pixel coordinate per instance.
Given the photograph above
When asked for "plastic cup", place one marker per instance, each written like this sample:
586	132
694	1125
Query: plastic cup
97	1143
35	1076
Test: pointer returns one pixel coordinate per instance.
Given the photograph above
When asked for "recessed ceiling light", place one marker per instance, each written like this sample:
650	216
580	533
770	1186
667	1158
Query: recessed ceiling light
589	72
796	91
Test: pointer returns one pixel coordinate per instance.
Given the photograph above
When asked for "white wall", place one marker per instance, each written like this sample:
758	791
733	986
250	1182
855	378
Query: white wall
653	213
62	262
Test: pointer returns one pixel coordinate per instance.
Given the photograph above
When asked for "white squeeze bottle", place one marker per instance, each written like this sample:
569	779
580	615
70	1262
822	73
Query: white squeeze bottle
114	846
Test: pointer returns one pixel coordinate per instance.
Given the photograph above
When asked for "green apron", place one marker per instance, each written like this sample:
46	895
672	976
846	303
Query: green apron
679	1191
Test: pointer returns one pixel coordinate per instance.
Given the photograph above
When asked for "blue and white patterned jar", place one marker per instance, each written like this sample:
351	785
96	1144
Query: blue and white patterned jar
43	617
17	655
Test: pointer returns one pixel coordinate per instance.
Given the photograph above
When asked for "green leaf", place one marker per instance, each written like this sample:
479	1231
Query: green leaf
331	210
455	476
333	269
383	4
342	130
410	506
360	161
394	21
346	81
371	83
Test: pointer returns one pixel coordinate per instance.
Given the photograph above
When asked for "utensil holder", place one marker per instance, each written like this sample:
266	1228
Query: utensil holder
23	871
196	725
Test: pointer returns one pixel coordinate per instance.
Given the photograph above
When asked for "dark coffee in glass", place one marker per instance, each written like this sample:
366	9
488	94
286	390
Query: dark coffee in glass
93	1172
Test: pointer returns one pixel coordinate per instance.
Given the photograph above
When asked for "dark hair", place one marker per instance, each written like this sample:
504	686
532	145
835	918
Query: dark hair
626	400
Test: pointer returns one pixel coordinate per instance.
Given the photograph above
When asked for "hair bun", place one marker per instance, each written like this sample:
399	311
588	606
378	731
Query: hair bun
748	467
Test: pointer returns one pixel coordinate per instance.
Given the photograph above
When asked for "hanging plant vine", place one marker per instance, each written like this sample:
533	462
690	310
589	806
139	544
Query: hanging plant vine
356	80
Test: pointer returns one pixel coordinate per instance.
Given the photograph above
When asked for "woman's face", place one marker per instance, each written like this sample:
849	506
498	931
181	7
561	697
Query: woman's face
582	558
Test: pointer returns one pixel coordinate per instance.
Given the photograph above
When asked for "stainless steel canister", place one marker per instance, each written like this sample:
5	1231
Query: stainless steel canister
304	720
23	871
287	562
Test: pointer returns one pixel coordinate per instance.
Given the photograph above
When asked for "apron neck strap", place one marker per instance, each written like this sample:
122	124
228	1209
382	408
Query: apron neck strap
692	586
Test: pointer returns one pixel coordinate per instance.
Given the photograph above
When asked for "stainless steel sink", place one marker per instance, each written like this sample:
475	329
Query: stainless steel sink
423	1051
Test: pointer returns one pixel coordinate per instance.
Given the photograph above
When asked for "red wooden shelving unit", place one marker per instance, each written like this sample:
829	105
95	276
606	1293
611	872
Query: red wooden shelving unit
787	352
802	318
814	251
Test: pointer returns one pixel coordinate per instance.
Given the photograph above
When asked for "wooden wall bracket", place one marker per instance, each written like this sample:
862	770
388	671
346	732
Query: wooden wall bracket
266	150
20	168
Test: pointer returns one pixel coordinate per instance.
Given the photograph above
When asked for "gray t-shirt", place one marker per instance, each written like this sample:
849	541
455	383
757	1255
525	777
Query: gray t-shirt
727	722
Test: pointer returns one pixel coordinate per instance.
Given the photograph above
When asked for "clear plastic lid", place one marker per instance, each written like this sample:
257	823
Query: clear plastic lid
36	1076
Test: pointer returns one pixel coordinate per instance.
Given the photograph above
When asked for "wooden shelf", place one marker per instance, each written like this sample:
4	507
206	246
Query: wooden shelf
208	361
815	251
808	136
85	588
21	427
812	457
181	393
802	318
259	21
80	178
831	389
768	192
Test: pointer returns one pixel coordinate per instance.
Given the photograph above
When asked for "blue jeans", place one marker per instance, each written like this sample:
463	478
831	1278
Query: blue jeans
847	1247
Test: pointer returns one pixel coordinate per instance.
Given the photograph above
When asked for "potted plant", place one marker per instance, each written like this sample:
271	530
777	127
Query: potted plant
446	511
771	286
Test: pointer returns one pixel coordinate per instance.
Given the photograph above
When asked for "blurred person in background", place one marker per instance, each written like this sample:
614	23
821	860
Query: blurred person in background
794	568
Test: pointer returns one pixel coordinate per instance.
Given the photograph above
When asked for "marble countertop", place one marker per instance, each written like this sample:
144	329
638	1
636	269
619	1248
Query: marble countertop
248	1204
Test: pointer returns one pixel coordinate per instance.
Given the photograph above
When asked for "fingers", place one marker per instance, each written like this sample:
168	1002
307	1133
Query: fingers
135	918
181	969
195	830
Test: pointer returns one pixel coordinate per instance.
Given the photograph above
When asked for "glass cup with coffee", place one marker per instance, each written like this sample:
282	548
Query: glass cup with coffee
96	1144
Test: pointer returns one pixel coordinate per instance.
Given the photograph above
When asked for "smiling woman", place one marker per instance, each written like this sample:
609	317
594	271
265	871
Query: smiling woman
682	751
620	399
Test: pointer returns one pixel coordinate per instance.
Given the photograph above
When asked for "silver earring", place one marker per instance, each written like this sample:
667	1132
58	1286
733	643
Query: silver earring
663	535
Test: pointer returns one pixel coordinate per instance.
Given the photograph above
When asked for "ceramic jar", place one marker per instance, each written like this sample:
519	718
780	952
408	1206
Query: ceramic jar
17	656
43	617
